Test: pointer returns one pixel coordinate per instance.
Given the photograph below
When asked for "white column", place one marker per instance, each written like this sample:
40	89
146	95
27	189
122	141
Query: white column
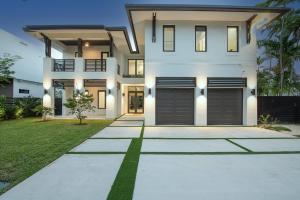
111	86
149	101
201	102
48	99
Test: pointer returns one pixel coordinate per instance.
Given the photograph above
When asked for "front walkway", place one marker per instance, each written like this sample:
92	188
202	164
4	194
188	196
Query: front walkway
86	172
212	163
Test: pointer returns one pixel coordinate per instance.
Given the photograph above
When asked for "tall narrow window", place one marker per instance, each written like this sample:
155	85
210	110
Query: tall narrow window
131	67
101	99
232	38
200	37
169	38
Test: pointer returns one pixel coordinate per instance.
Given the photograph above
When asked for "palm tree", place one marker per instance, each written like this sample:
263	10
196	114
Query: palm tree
280	33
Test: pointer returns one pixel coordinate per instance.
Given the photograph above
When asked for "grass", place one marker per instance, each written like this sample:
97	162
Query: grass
27	145
123	186
279	128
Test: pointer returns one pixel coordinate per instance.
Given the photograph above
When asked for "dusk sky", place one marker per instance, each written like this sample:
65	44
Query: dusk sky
15	14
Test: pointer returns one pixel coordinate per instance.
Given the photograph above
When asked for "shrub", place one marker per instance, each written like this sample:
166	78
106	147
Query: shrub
42	110
2	106
28	104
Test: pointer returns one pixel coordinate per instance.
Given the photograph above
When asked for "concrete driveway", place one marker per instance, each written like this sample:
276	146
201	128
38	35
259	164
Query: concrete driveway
218	163
212	163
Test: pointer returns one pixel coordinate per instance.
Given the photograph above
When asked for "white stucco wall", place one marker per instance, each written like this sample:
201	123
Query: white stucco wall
30	67
35	89
185	62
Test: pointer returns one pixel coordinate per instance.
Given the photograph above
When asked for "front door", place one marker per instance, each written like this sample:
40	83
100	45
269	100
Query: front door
135	102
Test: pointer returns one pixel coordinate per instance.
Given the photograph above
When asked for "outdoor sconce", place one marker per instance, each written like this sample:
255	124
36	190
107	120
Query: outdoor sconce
149	91
45	91
109	91
123	94
77	91
202	91
253	91
86	44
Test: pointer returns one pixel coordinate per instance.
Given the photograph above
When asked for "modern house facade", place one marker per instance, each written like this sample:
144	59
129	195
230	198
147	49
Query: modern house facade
189	65
28	76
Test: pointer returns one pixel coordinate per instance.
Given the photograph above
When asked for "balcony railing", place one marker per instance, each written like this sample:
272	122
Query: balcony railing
95	65
64	65
133	76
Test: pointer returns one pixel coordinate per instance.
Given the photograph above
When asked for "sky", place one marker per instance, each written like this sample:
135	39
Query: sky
15	14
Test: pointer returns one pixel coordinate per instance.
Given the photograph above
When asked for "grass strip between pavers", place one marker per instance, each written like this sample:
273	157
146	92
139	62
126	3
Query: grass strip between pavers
123	186
220	153
95	152
224	138
240	146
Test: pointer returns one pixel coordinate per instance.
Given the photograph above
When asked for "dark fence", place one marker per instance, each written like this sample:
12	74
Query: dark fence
284	108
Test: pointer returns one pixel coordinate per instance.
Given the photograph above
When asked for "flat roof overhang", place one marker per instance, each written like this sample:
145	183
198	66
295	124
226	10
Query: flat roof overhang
68	34
138	14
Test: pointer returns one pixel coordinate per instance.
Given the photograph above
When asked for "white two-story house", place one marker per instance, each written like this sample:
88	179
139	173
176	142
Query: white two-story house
188	65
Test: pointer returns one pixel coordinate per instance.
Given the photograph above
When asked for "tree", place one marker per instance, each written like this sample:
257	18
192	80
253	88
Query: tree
6	62
282	43
79	104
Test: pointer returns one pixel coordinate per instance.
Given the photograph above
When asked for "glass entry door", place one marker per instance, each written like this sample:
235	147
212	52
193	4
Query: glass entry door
135	102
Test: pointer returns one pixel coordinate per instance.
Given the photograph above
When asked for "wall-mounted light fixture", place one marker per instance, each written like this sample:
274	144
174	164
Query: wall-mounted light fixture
253	91
86	44
123	94
46	91
109	91
149	91
77	91
202	91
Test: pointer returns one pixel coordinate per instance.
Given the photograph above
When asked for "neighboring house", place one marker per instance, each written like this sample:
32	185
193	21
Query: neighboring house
191	64
28	75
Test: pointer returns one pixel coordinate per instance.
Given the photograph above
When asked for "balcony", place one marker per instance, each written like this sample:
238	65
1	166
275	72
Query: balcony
63	65
95	65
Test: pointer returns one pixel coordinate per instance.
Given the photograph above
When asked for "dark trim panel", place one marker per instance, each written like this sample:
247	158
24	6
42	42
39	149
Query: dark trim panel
37	28
196	38
226	82
195	7
173	27
237	39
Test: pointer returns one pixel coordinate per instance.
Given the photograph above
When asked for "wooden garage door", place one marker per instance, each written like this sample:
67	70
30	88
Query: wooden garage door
174	106
224	106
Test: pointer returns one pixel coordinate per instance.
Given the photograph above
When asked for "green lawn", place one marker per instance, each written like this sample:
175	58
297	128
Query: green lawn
27	145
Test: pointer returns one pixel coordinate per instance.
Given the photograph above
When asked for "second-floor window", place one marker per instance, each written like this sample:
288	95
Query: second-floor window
232	38
200	38
135	67
169	38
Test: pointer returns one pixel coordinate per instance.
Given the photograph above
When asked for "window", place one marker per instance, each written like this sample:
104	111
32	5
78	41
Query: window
135	67
104	55
232	39
200	38
23	91
169	38
101	99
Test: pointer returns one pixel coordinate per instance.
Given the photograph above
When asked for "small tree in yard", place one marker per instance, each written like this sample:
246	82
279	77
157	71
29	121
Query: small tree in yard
6	62
79	104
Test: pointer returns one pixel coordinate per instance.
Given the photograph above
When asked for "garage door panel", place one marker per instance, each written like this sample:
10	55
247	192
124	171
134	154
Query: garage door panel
175	106
224	106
